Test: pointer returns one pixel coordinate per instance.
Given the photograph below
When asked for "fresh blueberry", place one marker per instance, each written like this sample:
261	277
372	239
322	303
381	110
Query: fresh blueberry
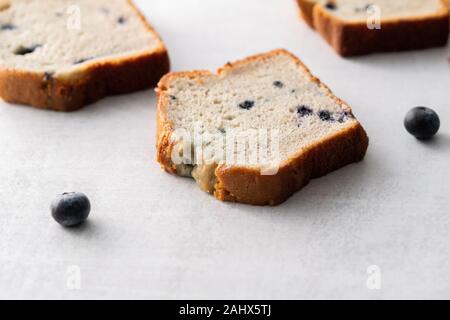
422	122
304	111
71	209
247	104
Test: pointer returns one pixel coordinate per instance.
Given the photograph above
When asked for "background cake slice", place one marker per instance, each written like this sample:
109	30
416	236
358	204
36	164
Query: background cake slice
64	54
355	27
255	132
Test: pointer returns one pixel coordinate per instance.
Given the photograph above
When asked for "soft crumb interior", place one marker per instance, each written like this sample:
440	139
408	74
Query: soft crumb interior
273	95
356	10
56	35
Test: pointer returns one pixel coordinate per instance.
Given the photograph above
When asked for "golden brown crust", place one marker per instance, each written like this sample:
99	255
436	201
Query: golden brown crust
355	38
247	185
90	84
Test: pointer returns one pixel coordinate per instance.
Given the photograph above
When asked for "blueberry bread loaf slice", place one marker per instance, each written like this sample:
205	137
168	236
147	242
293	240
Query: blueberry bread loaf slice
356	27
255	132
65	54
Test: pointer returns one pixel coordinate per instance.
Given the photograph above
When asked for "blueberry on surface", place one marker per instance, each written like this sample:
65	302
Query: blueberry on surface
247	104
422	122
71	209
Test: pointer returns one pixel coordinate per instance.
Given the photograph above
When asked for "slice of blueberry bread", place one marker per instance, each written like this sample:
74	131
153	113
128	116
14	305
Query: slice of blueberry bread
356	27
255	132
65	54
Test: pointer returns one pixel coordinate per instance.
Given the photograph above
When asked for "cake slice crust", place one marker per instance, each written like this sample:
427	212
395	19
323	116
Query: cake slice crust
63	55
269	92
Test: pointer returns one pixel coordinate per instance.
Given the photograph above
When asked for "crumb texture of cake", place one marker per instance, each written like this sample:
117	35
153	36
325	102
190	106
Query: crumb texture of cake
271	106
65	54
355	27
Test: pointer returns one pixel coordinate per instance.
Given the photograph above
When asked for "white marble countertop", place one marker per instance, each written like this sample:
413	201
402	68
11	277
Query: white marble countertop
152	235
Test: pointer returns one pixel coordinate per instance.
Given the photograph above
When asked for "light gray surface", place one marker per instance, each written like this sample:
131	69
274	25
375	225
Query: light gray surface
152	235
